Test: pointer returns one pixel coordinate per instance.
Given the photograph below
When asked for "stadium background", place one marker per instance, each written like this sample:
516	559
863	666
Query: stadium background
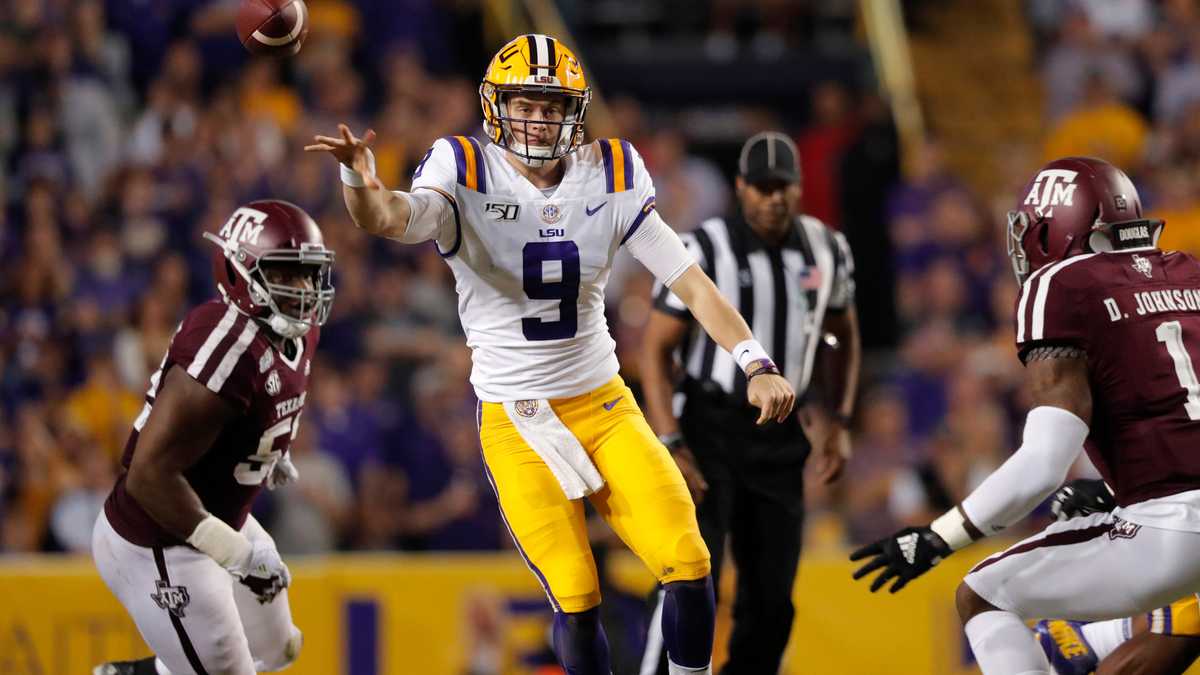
127	127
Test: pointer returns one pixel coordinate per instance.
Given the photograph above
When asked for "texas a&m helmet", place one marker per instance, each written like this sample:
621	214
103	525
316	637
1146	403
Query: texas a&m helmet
1076	205
274	232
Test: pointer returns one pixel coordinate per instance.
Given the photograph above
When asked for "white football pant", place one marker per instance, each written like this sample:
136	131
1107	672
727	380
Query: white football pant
1091	568
195	615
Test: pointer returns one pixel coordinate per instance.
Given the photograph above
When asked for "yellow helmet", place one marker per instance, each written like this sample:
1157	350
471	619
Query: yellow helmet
534	64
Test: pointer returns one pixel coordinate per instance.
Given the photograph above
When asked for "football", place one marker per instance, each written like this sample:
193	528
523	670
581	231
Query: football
272	27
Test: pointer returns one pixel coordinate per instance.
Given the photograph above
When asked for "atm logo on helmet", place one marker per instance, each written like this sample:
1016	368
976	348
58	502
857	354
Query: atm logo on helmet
244	226
1051	188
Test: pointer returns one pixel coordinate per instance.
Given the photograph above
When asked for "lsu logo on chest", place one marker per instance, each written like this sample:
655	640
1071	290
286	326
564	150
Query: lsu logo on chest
1051	188
244	226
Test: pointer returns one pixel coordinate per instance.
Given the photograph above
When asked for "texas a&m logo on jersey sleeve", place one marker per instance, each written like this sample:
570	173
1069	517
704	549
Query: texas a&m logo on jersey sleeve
1052	187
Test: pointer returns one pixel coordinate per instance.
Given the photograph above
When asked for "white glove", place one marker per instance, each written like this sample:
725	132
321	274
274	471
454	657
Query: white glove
267	574
282	473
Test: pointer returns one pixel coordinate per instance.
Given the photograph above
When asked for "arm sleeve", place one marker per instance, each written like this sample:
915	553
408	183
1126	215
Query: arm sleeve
434	213
666	301
842	295
1049	312
213	346
1052	439
657	247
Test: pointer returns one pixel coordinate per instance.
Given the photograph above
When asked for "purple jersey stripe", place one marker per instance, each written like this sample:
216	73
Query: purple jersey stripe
647	207
457	225
606	155
529	563
627	155
480	166
460	159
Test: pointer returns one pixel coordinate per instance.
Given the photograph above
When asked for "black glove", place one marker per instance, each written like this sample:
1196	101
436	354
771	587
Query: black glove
264	588
904	556
1082	497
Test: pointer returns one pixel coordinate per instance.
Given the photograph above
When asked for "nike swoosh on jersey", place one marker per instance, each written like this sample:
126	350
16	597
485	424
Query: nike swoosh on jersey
612	404
591	211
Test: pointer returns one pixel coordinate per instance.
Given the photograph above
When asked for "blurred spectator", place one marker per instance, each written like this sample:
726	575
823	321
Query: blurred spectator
832	129
882	451
1100	126
1125	20
102	409
88	113
1178	203
689	189
316	514
140	346
1079	55
74	512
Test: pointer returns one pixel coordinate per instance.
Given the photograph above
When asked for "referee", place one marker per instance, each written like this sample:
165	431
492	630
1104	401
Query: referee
791	278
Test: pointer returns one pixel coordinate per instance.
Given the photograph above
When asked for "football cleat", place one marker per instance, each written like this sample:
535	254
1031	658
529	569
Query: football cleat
1065	646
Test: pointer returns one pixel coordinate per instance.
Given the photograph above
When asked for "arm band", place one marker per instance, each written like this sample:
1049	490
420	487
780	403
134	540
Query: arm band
219	541
352	178
747	352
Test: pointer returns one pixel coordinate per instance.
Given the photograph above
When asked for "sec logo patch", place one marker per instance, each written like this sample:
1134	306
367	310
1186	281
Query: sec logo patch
274	384
551	214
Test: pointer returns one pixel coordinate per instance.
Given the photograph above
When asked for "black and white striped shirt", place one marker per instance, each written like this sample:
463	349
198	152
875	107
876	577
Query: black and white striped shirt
783	292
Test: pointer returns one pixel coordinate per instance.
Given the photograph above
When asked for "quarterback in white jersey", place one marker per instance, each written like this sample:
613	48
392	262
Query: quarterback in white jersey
529	220
531	267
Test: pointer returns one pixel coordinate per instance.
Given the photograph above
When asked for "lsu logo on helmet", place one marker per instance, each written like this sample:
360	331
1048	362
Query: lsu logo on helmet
534	64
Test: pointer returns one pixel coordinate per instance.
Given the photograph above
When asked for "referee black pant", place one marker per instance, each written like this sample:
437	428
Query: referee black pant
755	502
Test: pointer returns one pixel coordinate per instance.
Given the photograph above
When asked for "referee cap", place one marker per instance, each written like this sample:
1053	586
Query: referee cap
768	156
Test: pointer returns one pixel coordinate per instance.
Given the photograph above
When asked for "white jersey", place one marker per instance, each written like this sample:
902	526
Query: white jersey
530	268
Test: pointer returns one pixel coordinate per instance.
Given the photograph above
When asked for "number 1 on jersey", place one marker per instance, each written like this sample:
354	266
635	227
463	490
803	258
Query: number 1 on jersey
1171	333
566	290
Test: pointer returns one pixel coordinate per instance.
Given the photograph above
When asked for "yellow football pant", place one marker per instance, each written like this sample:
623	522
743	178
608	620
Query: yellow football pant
644	499
1181	617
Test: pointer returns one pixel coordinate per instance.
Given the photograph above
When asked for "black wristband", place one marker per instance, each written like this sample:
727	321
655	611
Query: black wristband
673	440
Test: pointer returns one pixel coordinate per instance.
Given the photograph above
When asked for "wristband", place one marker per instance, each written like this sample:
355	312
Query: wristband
747	352
219	541
761	367
352	178
954	528
673	440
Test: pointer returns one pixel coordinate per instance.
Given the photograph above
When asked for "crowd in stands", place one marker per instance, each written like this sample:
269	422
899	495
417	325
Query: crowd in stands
129	128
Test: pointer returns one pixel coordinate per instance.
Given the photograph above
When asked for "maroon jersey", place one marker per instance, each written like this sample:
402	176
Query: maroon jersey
1137	315
230	354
